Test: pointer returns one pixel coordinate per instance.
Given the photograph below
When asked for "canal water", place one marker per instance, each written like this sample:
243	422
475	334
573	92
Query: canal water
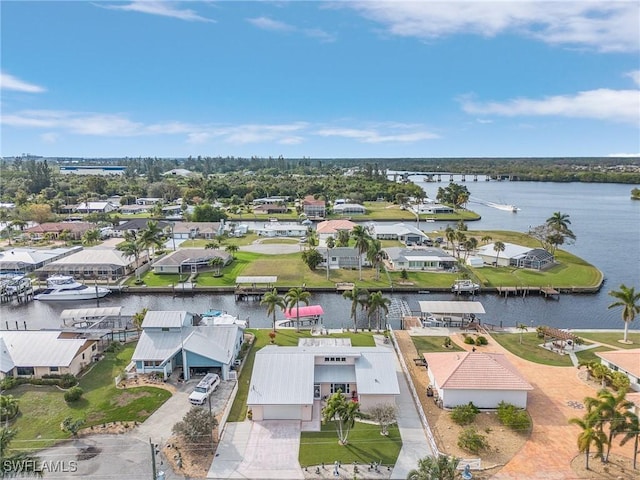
604	218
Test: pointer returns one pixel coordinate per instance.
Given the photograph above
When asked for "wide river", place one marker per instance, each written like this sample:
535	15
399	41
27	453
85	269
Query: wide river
604	218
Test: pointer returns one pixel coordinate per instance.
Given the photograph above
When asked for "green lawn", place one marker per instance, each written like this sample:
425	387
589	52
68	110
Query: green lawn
284	338
530	349
590	355
43	408
433	344
611	338
365	445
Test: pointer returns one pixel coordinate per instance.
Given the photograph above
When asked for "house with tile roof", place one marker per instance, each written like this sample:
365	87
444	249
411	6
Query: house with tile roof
291	383
331	228
314	208
624	361
486	379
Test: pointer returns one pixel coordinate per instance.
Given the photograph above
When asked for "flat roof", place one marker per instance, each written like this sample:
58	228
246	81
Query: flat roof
451	307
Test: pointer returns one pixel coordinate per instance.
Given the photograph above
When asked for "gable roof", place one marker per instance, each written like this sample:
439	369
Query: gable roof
511	250
400	254
140	224
334	226
191	255
474	371
166	319
627	360
39	348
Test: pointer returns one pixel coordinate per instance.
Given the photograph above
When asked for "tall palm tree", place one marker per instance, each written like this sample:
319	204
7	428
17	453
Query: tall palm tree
151	237
216	263
377	304
591	435
342	411
358	297
629	300
450	235
374	255
91	237
613	410
559	221
138	318
331	243
273	300
231	249
293	298
29	464
633	433
523	328
441	467
362	239
132	247
498	247
486	239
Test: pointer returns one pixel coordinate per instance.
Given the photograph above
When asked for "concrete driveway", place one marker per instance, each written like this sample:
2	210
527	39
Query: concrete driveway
265	450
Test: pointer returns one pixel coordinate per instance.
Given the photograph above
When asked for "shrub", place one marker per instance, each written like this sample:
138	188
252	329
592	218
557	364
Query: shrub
67	380
8	383
73	394
513	417
481	340
447	342
113	347
620	381
469	340
472	441
464	414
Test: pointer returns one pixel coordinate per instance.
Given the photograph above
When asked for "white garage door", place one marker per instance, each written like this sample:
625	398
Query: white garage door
282	412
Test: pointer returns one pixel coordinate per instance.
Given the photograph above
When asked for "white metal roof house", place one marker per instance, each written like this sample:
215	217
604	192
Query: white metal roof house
486	379
277	229
34	353
189	260
95	207
342	257
624	361
29	259
407	234
169	340
349	209
419	258
516	256
292	382
93	262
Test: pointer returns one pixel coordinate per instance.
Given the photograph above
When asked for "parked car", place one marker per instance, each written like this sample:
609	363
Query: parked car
205	387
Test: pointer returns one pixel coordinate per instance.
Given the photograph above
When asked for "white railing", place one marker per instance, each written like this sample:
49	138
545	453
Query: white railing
416	399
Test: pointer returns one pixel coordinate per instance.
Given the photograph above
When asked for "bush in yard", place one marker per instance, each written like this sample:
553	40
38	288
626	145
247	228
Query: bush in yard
469	340
513	417
67	380
196	427
472	441
620	381
464	414
73	394
481	340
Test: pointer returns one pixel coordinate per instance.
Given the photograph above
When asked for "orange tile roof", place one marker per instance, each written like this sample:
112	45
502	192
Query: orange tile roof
475	371
333	226
627	360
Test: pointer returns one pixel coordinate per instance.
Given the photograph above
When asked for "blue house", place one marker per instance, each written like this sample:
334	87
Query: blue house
173	340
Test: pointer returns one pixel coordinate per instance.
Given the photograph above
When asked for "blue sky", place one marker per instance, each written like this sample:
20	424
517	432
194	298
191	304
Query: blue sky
320	79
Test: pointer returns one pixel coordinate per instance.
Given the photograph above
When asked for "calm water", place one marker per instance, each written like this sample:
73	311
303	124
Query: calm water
605	220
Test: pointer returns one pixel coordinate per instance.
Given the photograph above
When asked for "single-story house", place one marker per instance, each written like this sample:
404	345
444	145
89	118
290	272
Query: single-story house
170	340
34	353
189	260
25	260
624	361
271	200
148	200
270	208
93	263
486	379
331	228
314	208
75	230
349	209
138	224
178	172
516	256
431	208
92	170
95	207
412	259
342	257
277	229
135	209
191	230
407	234
323	366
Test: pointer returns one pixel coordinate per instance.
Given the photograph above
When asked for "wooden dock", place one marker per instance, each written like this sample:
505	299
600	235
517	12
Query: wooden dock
549	292
344	287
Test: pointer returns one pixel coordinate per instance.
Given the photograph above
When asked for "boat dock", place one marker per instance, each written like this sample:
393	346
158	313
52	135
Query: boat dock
20	289
342	287
524	291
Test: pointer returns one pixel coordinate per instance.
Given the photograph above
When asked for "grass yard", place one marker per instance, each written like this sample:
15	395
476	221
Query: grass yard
284	338
590	355
530	349
365	445
43	408
433	344
611	338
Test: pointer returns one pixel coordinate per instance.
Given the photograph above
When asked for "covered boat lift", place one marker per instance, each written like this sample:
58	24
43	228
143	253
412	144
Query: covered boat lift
92	317
449	314
308	314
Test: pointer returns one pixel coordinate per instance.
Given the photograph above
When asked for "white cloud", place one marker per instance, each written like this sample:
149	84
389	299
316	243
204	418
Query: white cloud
635	76
392	133
161	8
266	23
601	104
603	26
9	82
624	155
49	137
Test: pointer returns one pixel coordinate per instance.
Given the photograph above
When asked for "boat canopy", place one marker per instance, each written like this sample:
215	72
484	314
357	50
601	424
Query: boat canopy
84	313
453	308
306	311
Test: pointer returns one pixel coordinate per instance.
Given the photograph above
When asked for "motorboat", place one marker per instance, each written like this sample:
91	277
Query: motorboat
65	287
465	286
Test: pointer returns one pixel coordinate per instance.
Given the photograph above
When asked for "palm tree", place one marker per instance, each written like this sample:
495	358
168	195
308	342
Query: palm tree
523	328
343	238
342	411
615	410
212	245
358	297
629	300
91	237
138	318
559	221
498	247
132	247
375	305
331	243
231	249
441	467
362	238
293	298
30	465
590	435
216	263
151	237
486	239
450	235
273	300
374	255
633	433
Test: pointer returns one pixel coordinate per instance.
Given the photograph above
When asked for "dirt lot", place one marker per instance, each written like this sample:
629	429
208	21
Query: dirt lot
503	442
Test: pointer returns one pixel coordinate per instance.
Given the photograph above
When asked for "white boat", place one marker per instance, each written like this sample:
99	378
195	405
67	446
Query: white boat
65	287
465	286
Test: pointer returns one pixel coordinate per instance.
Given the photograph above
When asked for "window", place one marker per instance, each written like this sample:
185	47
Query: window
93	347
342	387
53	369
26	371
165	329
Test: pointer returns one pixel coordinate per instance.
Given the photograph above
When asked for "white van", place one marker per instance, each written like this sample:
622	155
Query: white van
204	388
